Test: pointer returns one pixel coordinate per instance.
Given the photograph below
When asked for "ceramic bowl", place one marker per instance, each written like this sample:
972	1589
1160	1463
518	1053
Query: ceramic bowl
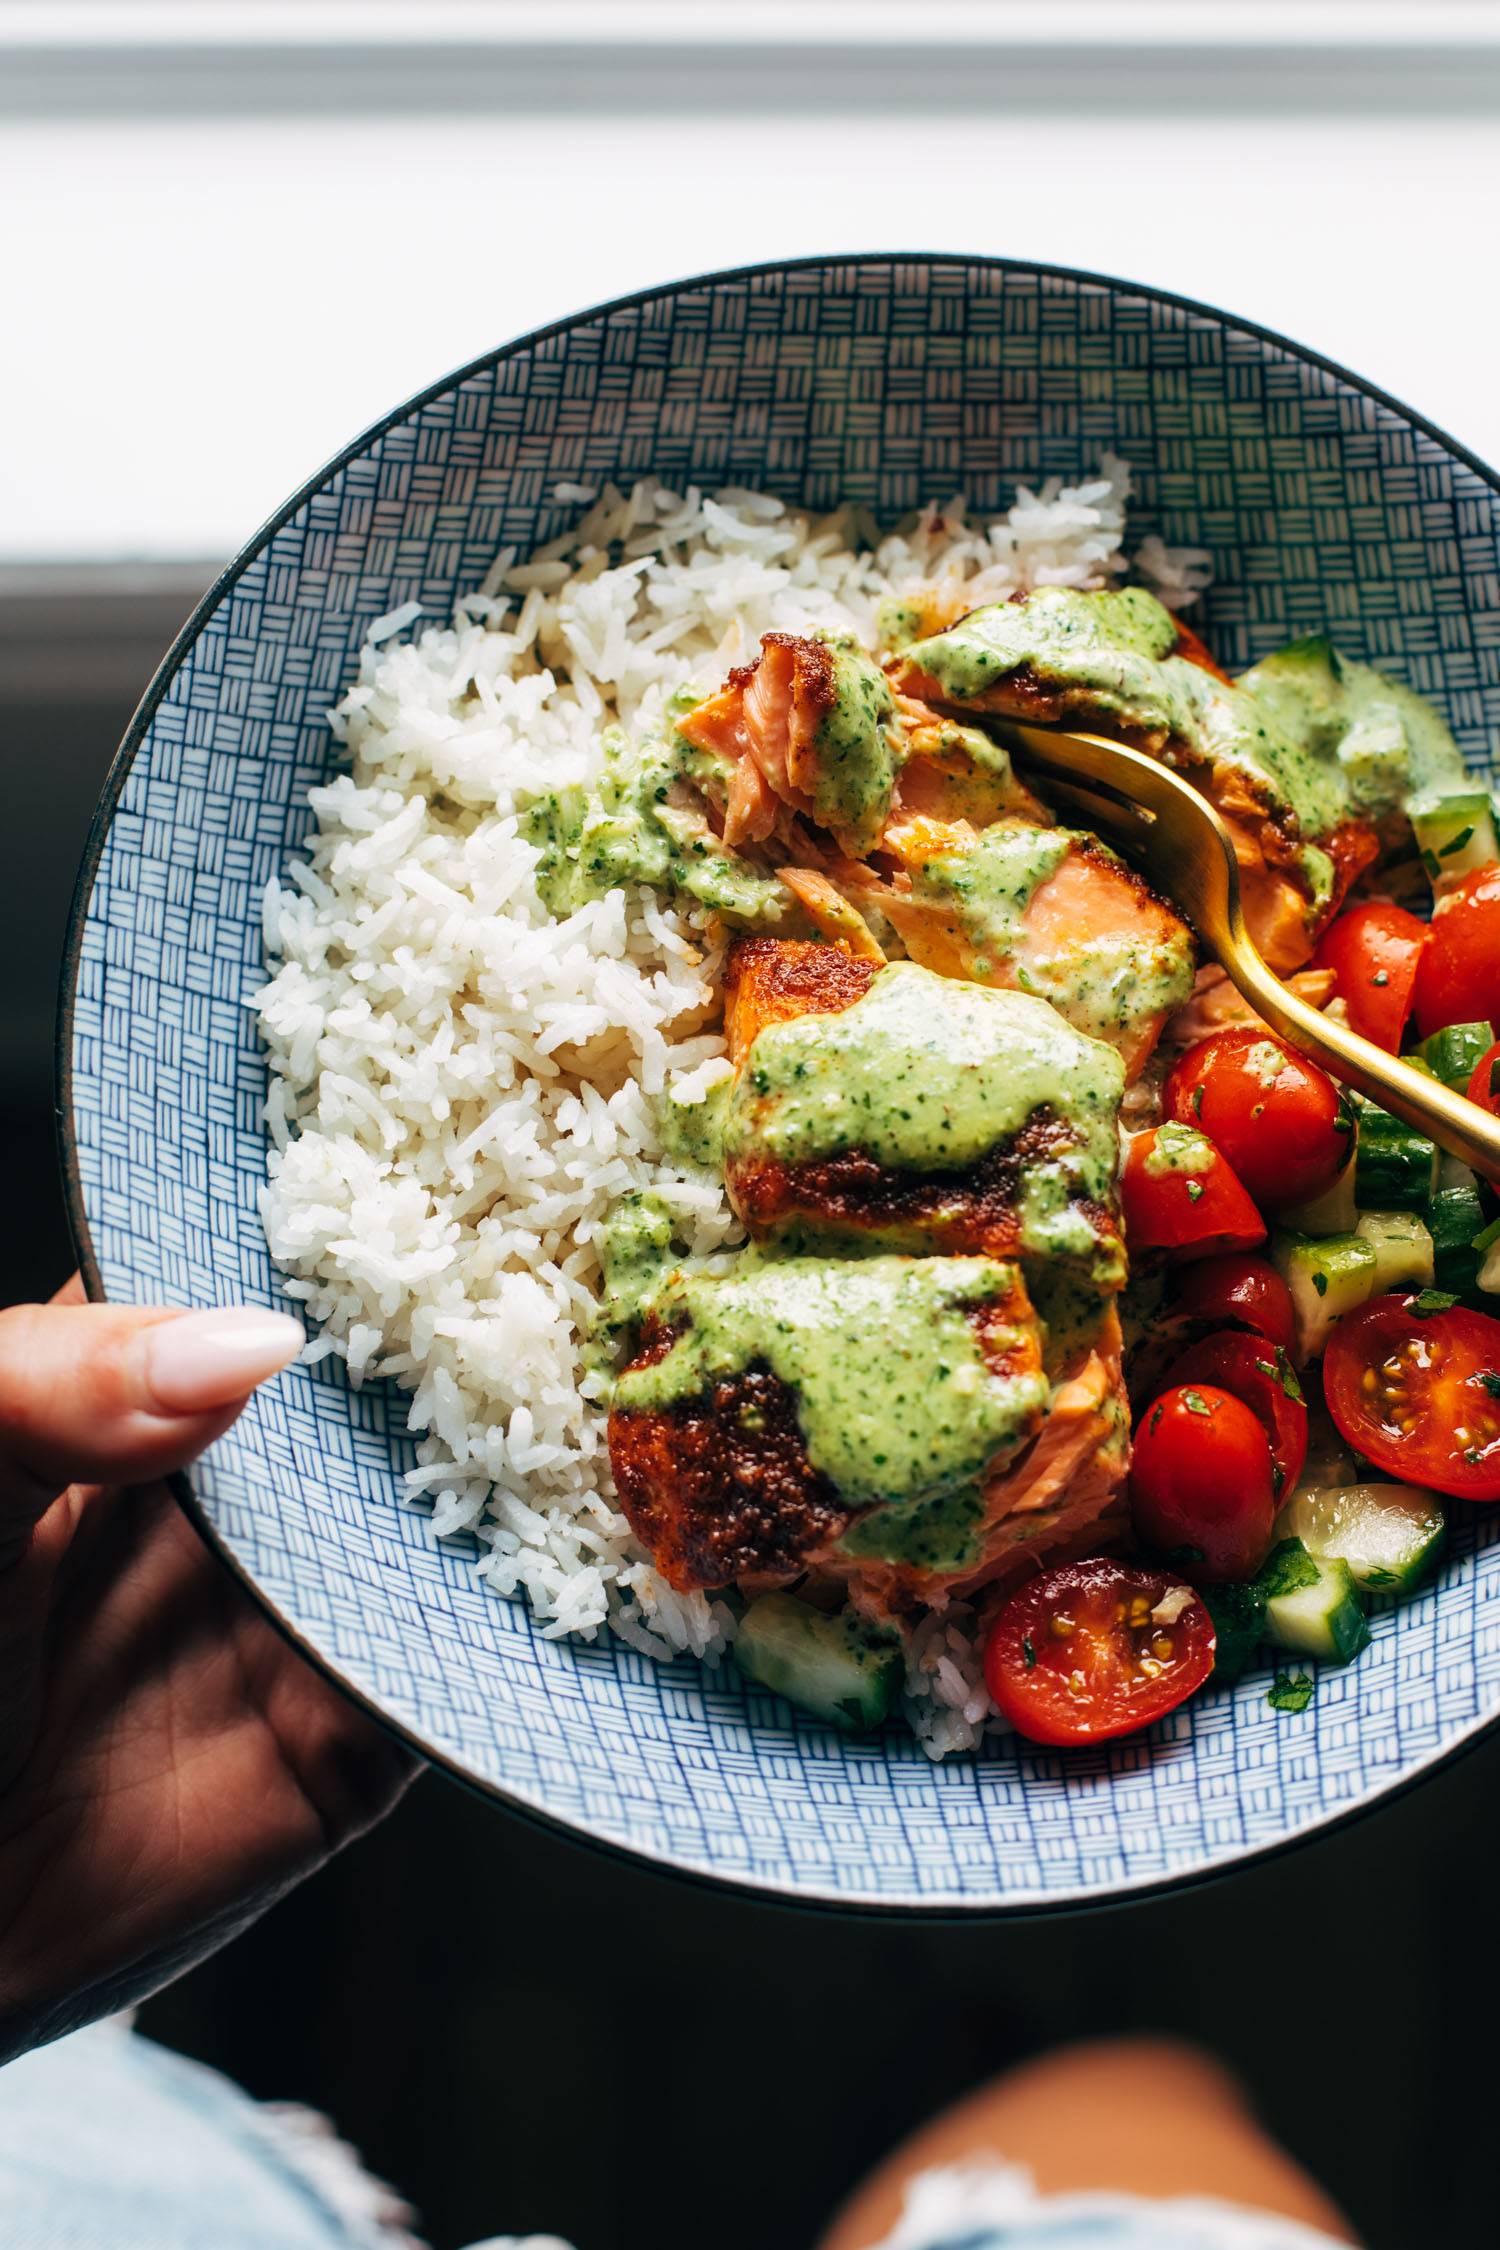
884	380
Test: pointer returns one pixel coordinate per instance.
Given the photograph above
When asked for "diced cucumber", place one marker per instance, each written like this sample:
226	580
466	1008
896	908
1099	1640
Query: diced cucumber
1326	1279
1395	1168
1313	1604
1454	1219
1332	1212
1390	1535
839	1668
1455	832
1239	1618
1402	1247
1453	1054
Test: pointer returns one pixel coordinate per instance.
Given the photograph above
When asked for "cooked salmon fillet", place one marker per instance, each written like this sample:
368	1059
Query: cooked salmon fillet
719	1486
809	729
720	1490
975	1210
1064	1495
1278	906
1093	938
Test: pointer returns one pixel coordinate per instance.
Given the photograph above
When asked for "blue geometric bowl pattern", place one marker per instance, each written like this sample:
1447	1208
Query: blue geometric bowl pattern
885	381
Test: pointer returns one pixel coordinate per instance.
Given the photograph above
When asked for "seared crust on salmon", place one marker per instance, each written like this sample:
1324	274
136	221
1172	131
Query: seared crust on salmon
975	1210
767	980
719	1487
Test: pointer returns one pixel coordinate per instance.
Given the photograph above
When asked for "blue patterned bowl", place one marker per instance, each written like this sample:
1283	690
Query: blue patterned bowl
878	380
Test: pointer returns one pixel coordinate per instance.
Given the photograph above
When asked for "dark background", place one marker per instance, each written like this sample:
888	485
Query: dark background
524	2034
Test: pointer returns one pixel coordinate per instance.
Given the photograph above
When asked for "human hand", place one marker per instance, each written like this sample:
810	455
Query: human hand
169	1765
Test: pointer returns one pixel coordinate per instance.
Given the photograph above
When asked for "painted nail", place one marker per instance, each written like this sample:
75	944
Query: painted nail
206	1359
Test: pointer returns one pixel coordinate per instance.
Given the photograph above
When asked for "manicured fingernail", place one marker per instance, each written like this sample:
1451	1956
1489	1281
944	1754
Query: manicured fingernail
208	1359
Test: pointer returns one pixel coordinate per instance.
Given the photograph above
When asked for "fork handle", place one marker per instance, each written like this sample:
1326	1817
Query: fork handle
1455	1123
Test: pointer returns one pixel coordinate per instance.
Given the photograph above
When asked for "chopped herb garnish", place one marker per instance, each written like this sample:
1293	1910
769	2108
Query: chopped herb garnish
1320	1283
1028	1652
1290	1691
1287	1570
1378	1577
1197	1101
1464	836
1429	1301
1491	1381
1196	1403
1195	1190
1157	1412
1381	977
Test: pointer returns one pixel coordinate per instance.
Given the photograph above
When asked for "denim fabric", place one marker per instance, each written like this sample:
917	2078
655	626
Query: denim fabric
110	2143
995	2207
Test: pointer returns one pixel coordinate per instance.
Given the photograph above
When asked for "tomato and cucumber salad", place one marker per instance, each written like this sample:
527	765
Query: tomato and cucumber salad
1324	1339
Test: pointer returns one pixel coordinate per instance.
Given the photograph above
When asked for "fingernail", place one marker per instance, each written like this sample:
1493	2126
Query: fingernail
208	1359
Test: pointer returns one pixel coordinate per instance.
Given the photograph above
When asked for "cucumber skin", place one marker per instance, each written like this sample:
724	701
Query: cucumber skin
1454	1217
1453	1053
1395	1168
1239	1622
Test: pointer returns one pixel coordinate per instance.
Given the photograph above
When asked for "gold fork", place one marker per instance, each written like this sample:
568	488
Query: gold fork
1161	824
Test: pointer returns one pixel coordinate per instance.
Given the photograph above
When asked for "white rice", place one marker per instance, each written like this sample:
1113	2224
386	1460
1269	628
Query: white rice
461	1088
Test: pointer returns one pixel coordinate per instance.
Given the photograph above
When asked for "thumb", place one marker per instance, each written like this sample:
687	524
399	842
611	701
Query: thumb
121	1393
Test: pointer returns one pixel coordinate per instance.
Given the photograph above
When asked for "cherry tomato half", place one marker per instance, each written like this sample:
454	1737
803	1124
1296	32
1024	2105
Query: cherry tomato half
1420	1397
1484	1086
1262	1379
1234	1290
1374	951
1459	977
1180	1195
1277	1119
1201	1483
1078	1655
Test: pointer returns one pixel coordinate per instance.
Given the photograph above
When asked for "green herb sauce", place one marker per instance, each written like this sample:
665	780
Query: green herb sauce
929	1073
1177	1148
1320	739
1105	983
1385	743
857	749
627	829
895	1398
692	1129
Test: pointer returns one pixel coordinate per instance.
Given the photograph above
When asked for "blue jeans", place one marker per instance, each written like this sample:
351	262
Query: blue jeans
110	2143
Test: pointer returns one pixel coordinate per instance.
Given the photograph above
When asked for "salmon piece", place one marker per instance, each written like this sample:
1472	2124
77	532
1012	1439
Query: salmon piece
767	980
719	1487
1065	1495
1279	908
1083	927
1217	1005
810	728
830	912
976	1211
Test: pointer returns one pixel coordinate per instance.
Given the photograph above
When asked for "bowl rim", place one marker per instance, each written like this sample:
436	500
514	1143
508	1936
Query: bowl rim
789	1896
